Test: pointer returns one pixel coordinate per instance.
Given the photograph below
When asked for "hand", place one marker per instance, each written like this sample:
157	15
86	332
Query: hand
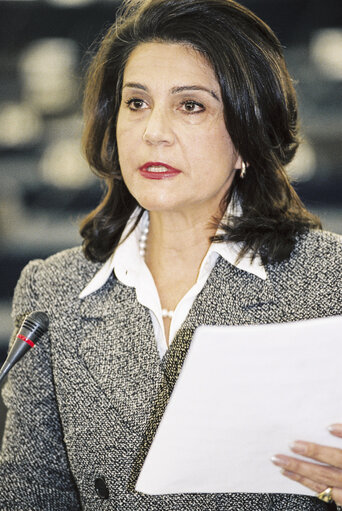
317	477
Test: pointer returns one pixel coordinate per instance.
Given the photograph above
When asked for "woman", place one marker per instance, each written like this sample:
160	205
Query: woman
190	118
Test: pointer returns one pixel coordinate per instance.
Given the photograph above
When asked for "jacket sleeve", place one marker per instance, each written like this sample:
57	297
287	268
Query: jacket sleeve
34	471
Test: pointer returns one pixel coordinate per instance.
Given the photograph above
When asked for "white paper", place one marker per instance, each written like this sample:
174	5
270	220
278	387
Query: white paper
244	394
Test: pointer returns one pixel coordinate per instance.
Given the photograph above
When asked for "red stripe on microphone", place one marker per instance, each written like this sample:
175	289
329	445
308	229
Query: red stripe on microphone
23	338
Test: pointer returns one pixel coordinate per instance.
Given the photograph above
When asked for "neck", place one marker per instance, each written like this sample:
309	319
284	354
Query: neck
177	242
174	248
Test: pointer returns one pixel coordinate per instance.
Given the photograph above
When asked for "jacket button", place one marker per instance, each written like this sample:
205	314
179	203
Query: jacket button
101	488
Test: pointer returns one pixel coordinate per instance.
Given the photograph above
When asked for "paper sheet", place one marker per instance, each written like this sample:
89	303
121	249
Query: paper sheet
244	394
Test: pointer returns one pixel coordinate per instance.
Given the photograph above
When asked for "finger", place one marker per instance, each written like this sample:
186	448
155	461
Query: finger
327	476
336	429
337	496
313	485
316	487
330	455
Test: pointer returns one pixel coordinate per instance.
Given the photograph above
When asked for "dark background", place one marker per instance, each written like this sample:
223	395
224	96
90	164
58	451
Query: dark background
46	187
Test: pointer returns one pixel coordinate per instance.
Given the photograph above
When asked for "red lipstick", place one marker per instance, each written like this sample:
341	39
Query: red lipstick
158	170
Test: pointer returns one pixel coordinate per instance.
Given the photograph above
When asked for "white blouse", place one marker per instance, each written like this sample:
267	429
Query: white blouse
131	270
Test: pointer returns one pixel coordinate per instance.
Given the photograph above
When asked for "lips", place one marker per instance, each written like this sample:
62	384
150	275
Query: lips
158	170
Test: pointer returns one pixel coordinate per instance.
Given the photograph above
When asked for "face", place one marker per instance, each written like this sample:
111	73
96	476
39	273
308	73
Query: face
174	150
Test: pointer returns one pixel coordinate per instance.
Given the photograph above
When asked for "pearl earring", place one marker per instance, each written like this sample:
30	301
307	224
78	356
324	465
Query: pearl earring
243	170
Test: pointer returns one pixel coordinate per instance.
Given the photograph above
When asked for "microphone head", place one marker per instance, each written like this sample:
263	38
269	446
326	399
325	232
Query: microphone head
32	328
35	325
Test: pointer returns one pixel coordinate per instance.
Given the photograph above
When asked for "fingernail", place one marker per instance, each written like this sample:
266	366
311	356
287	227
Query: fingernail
279	460
335	428
299	447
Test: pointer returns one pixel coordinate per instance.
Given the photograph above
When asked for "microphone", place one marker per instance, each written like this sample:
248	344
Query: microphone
33	327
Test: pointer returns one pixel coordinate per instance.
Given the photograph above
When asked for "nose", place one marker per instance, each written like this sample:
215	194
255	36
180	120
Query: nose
158	128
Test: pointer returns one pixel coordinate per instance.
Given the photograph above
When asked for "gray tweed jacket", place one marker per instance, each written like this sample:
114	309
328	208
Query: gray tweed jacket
83	405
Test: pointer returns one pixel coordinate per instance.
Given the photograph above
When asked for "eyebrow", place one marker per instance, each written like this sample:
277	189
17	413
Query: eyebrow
174	90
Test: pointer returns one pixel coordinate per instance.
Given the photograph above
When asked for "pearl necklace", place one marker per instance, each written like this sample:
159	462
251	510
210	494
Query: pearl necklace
142	251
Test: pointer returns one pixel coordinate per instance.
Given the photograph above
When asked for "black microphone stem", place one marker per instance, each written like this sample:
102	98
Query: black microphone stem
31	330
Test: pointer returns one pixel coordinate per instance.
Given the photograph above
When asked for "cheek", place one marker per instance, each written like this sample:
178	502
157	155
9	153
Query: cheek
123	144
212	147
224	149
127	138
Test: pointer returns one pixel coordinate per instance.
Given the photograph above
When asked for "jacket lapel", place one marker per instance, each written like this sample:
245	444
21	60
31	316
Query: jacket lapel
230	297
117	348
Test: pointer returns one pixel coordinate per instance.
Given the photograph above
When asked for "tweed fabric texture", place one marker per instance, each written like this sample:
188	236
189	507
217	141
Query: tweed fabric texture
85	403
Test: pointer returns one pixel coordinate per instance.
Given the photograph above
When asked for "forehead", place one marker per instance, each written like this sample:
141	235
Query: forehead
176	63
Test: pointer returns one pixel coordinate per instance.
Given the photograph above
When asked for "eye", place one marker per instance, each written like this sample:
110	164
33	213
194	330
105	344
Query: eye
135	104
192	107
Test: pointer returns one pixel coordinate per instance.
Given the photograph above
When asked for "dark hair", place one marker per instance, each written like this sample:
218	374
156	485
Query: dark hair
260	114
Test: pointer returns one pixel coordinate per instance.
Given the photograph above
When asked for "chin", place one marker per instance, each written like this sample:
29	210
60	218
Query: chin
157	203
155	206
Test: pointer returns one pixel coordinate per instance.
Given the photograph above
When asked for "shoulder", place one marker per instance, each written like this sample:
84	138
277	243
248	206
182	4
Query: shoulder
313	270
312	251
309	283
319	244
64	273
318	252
67	266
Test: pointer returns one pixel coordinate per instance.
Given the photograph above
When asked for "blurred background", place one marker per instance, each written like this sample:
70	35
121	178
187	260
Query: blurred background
46	186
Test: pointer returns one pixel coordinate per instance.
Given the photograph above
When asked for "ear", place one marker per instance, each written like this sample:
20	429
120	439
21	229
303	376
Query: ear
239	162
